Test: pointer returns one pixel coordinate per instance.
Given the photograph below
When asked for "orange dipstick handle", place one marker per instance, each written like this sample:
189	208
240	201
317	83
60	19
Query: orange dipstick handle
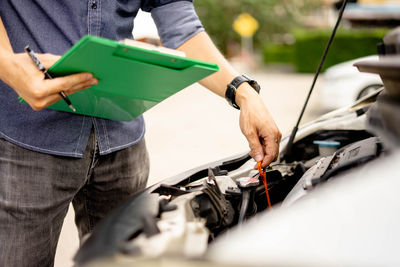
263	174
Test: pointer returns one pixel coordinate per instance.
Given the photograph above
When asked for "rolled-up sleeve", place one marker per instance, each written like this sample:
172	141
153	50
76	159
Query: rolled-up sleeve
176	22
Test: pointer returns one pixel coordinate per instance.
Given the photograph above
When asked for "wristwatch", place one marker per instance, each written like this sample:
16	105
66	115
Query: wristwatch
230	93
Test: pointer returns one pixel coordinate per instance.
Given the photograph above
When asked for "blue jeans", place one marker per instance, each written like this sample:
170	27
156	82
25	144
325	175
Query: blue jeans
36	190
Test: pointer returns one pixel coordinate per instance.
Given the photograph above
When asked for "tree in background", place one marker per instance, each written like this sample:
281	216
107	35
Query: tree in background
276	18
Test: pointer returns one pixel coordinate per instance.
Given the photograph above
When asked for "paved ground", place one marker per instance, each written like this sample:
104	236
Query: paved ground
194	127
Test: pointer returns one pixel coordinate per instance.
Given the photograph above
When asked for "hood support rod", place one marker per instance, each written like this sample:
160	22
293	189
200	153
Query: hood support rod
288	152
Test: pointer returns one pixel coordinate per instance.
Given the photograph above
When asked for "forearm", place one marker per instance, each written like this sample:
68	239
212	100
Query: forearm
6	51
201	47
5	45
255	120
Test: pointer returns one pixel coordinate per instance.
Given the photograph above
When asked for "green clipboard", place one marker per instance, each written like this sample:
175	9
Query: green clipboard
131	79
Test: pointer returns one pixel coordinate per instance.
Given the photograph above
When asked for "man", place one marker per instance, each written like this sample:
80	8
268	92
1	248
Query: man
50	158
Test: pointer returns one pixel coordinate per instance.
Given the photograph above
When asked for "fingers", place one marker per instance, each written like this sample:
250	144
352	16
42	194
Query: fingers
83	86
37	91
72	83
265	151
261	132
256	148
268	148
271	149
51	100
46	92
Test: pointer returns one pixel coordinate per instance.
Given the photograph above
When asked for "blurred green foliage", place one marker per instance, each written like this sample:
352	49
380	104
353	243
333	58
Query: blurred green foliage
305	54
276	17
279	53
279	36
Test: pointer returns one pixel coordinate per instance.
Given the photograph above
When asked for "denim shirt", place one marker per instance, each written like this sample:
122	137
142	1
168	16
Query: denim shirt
50	26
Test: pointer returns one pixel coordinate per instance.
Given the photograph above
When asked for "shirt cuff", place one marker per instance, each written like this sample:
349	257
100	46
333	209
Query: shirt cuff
176	22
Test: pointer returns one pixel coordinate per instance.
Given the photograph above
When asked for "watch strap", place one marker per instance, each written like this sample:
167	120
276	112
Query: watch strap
230	93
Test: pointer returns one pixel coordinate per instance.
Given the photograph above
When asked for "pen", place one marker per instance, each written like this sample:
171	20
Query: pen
47	75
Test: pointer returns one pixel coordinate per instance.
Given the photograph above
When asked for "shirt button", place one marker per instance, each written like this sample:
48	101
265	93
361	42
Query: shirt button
94	5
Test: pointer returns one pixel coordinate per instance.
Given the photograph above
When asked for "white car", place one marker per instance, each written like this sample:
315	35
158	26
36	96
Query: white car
343	84
334	192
